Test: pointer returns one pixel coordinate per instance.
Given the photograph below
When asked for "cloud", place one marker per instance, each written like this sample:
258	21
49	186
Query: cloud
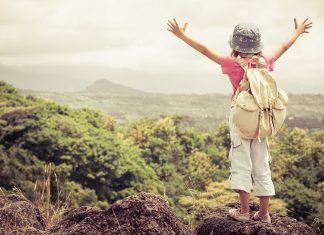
132	34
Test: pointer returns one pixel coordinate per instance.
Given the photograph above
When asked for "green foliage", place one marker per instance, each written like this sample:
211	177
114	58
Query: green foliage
79	196
156	139
298	171
303	203
19	168
81	141
200	170
218	150
159	146
99	162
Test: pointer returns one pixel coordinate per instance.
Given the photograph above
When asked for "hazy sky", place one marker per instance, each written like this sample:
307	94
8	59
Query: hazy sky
126	41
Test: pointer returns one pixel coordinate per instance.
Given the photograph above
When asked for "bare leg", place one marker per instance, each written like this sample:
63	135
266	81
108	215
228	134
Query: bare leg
264	205
244	200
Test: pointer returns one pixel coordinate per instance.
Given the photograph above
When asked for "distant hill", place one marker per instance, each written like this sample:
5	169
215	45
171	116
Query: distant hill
111	88
204	111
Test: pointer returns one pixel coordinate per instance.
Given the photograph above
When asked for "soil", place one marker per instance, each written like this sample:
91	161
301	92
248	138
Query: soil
143	213
218	222
19	216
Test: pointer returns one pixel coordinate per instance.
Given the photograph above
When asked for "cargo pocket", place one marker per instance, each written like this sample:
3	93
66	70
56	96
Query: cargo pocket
235	143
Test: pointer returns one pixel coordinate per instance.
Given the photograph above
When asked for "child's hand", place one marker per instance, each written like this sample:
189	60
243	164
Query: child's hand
175	29
301	28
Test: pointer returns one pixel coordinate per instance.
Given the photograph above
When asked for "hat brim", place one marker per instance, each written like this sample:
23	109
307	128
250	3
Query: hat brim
244	49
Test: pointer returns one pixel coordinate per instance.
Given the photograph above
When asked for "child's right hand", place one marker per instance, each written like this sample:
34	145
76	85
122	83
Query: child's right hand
302	28
299	29
175	29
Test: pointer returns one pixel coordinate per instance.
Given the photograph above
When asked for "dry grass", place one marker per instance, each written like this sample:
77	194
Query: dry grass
52	210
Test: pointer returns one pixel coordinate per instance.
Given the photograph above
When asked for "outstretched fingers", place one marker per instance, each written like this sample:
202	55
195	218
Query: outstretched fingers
185	25
295	21
171	27
175	22
174	28
307	26
302	27
305	20
171	24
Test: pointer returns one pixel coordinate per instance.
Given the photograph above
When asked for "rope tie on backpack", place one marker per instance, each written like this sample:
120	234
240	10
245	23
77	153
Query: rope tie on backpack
259	129
271	119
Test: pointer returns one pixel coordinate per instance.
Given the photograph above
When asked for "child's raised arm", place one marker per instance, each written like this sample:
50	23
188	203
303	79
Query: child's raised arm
180	33
299	29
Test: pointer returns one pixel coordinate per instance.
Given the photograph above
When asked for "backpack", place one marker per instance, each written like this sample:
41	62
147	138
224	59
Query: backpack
259	105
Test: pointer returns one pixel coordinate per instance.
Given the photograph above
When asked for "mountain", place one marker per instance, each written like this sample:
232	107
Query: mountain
111	88
68	78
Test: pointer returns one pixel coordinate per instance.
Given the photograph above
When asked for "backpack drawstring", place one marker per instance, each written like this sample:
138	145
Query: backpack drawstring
259	129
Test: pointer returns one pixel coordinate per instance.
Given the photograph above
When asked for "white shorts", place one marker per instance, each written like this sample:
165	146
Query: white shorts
250	161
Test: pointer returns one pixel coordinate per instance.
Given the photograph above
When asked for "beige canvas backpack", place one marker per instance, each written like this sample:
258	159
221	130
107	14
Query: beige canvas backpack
259	105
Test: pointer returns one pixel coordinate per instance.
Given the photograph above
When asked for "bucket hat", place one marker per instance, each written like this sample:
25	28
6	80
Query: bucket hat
246	38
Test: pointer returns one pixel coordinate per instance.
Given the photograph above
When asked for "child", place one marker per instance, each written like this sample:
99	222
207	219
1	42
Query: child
249	158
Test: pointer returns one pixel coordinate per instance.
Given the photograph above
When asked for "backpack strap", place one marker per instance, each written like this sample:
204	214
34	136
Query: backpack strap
242	63
245	65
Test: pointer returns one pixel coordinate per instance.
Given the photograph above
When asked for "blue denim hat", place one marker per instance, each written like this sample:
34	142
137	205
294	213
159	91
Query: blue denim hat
246	38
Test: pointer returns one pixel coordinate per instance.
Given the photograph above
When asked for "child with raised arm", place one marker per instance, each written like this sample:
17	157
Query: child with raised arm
249	158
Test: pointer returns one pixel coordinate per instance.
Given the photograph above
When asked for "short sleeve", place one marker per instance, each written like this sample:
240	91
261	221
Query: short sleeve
270	62
227	64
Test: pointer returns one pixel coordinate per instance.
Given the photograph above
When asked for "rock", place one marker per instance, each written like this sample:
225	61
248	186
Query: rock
143	213
19	216
218	222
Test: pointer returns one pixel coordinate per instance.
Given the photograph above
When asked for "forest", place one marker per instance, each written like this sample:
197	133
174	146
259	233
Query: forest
97	162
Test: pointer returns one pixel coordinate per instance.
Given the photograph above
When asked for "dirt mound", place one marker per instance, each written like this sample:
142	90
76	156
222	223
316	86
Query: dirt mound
218	222
144	213
19	216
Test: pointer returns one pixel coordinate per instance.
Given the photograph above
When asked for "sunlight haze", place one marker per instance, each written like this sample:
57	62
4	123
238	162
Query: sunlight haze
66	45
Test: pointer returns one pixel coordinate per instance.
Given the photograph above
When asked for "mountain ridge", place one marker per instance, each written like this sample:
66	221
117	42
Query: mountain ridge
105	85
205	111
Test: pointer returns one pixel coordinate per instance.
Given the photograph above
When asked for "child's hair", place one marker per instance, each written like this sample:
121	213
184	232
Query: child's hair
235	53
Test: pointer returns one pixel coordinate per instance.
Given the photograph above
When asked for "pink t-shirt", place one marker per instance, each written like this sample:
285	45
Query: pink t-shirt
235	72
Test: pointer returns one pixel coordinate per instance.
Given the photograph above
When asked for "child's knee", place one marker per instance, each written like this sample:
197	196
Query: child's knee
241	182
264	187
261	175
